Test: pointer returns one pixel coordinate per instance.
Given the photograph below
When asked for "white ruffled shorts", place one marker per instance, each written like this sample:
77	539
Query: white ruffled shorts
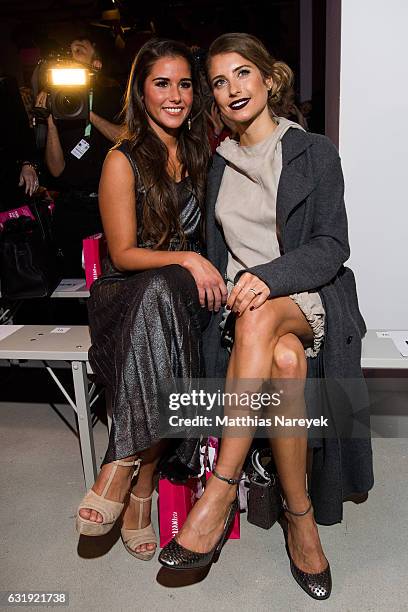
309	303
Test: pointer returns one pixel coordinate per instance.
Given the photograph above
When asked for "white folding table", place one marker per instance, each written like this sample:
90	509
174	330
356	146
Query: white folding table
71	288
381	353
46	343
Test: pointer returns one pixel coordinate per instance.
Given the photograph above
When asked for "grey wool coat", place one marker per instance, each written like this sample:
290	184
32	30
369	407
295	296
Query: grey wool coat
312	220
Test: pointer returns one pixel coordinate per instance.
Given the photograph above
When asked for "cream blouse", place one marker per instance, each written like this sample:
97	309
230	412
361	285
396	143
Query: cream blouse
246	210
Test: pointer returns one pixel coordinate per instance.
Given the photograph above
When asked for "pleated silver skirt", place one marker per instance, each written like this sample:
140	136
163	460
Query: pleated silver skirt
145	328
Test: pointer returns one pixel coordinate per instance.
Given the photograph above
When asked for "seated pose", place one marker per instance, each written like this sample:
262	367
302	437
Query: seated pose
277	228
146	311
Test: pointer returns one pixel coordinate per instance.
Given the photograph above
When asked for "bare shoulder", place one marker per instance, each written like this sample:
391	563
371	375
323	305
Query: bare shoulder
117	162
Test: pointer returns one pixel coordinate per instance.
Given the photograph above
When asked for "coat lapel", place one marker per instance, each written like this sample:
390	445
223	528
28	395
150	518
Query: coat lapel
214	184
295	182
215	243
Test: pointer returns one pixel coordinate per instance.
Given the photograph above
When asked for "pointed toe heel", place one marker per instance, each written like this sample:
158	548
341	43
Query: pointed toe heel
316	585
175	556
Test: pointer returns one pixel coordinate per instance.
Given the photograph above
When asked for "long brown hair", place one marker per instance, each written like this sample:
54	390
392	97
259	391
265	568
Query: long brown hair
160	219
253	50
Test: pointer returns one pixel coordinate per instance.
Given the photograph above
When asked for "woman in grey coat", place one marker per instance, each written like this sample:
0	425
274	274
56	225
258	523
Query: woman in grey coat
277	231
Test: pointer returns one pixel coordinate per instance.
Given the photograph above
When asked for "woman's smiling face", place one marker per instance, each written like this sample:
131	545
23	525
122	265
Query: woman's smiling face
239	89
168	93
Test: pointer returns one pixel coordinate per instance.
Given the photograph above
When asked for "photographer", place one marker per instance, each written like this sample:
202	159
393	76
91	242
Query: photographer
74	153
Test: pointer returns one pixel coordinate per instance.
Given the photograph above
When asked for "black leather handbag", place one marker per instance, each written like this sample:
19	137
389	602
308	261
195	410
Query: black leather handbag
264	494
27	257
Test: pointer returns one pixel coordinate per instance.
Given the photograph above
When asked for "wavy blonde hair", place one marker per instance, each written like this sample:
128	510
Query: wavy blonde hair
252	49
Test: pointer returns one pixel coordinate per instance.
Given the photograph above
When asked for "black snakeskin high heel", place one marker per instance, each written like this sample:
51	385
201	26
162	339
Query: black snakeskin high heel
317	585
175	556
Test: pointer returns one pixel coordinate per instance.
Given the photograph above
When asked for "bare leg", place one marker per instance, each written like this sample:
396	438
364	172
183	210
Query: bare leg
143	488
204	524
256	335
290	453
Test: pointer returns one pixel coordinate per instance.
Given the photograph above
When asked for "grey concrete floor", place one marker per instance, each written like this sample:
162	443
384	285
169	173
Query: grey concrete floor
41	484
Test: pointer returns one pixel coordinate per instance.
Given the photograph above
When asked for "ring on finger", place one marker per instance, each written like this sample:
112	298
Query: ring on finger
253	291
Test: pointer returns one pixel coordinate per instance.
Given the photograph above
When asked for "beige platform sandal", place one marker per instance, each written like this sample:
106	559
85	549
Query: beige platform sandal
109	509
135	537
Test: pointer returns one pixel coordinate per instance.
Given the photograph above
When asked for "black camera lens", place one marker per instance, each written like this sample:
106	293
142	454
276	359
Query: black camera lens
68	104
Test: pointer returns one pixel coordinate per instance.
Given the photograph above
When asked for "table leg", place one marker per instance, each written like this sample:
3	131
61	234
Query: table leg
84	422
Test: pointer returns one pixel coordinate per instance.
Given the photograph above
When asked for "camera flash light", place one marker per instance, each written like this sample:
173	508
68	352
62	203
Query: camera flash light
68	76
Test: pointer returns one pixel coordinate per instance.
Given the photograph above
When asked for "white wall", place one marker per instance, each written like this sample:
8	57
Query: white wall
374	151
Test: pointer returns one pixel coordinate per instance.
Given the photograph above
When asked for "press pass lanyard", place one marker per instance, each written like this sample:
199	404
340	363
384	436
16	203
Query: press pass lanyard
87	132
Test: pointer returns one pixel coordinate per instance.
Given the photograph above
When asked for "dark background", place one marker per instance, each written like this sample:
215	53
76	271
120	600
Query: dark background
30	29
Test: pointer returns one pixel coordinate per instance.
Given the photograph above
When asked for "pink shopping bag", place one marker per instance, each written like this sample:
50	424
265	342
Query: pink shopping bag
15	213
176	499
174	503
94	250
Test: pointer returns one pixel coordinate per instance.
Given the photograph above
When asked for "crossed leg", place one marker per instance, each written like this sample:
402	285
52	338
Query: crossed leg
269	343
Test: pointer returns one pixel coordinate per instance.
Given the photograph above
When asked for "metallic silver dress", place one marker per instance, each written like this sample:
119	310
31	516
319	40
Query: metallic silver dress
146	328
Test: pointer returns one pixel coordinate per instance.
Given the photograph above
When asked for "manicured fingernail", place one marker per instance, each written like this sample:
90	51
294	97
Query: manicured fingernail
228	307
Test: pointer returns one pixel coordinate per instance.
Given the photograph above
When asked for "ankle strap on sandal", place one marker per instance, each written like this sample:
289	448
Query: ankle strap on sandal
297	513
142	500
137	464
134	463
231	481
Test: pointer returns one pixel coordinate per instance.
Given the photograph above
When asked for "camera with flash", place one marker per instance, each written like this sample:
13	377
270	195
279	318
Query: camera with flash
68	84
69	87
